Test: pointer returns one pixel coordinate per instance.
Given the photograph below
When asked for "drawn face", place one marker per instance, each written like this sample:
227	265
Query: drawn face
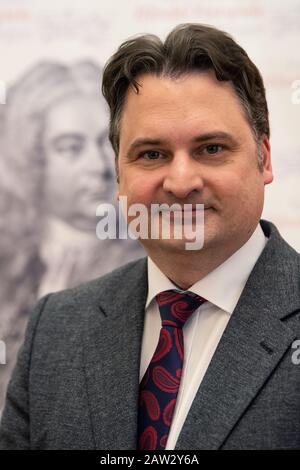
79	161
187	141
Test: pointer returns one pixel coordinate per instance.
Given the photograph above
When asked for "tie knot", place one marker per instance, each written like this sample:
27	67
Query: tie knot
176	307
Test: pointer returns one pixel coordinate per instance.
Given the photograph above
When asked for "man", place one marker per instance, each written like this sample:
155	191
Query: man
184	349
53	224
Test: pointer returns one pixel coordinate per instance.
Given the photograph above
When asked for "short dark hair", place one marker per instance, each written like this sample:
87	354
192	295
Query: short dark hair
188	48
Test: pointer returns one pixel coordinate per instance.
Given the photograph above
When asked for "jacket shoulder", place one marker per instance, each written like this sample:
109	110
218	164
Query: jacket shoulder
89	294
60	319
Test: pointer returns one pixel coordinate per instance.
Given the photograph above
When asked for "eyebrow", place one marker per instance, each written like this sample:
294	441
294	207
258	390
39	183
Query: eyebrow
141	142
67	136
78	136
215	135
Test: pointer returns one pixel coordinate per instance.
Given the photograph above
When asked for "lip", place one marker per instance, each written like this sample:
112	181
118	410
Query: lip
186	211
194	210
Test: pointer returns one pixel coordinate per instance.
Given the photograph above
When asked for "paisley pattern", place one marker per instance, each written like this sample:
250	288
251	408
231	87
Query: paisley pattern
164	380
164	345
168	412
151	404
178	335
160	384
148	439
163	441
167	297
180	310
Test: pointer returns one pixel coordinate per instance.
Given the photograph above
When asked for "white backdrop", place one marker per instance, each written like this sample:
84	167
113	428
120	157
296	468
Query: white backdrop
269	30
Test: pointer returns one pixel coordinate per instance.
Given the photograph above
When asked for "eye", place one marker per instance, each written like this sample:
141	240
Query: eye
68	147
151	154
213	148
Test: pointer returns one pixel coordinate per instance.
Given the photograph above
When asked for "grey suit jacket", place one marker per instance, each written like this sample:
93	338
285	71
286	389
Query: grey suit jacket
75	385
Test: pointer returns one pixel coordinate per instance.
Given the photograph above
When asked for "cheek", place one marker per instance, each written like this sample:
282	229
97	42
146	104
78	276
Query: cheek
138	188
61	178
226	186
235	185
241	193
57	167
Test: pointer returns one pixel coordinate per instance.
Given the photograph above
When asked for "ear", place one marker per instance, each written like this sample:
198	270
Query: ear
265	152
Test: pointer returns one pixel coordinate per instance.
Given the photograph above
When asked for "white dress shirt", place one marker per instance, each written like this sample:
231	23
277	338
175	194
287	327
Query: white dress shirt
203	330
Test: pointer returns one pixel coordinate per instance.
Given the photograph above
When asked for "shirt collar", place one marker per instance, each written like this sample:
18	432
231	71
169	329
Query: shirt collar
222	286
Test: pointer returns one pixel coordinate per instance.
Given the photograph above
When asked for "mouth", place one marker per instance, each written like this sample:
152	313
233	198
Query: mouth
187	215
194	209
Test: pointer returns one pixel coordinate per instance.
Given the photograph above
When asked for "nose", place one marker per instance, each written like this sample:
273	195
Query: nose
96	162
183	176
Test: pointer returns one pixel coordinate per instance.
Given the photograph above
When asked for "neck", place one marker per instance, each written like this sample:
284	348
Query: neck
186	268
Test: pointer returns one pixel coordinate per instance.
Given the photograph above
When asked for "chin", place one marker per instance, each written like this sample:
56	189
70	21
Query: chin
171	246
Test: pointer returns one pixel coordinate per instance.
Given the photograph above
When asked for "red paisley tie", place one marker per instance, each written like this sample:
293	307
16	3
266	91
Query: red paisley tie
160	384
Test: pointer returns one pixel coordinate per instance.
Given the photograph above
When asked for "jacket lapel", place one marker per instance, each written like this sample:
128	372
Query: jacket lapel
112	357
252	345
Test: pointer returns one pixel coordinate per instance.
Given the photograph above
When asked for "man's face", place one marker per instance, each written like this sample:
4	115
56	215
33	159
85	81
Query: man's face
79	162
187	141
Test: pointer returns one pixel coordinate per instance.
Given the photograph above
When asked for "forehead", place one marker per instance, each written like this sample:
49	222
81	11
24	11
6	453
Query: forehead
190	101
76	114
